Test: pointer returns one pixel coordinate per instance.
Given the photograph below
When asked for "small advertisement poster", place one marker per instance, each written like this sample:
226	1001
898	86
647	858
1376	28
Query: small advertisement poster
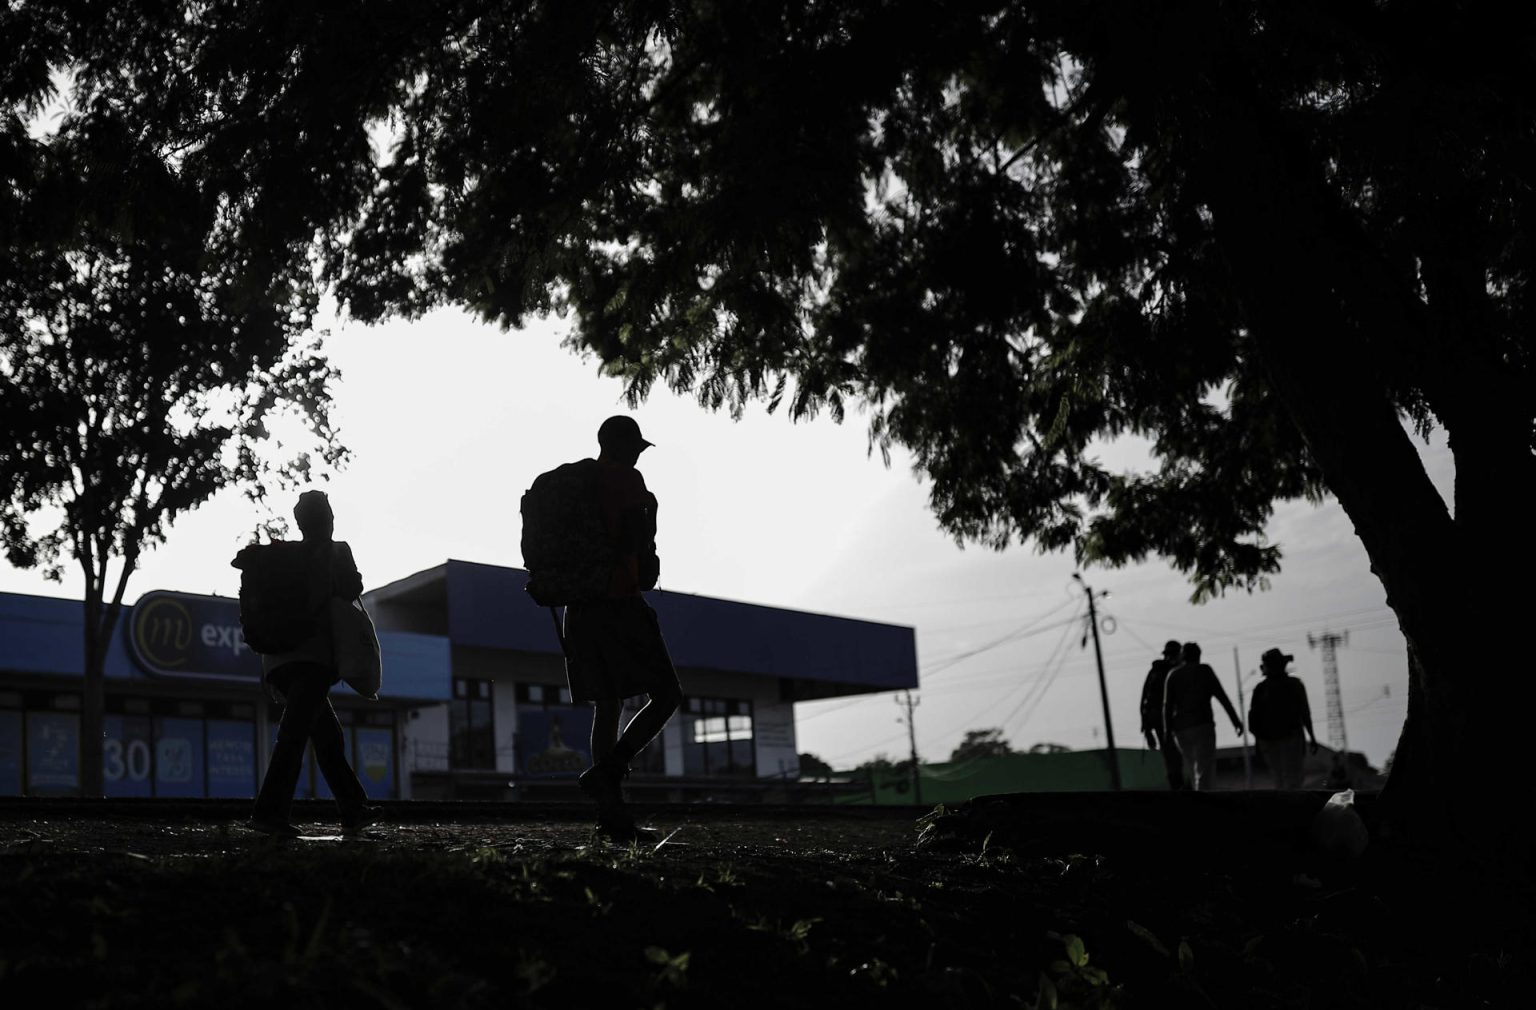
553	742
178	757
53	752
376	761
231	758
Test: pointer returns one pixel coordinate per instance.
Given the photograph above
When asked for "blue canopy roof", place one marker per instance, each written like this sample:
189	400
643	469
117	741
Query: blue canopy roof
815	655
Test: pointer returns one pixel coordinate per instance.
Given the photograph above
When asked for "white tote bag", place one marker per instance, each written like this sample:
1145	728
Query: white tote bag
356	647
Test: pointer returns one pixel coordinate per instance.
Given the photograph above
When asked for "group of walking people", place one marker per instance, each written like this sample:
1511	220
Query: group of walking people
1177	718
295	595
589	543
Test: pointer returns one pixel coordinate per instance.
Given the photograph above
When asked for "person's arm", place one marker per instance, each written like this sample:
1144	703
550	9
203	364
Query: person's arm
1226	703
1168	706
1306	712
1149	706
346	582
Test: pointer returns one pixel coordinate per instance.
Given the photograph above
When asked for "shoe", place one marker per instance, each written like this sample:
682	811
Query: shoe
277	829
365	819
601	782
618	827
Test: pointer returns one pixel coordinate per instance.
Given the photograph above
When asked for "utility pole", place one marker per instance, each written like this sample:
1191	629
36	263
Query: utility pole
909	704
1242	710
1330	641
1098	655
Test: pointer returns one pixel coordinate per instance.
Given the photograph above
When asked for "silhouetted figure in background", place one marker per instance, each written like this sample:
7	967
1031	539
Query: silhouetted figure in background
1277	718
1187	715
300	669
1152	715
614	648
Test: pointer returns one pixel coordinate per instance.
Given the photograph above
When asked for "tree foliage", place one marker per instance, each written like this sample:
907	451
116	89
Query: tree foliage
981	743
140	372
1263	238
952	214
144	352
813	767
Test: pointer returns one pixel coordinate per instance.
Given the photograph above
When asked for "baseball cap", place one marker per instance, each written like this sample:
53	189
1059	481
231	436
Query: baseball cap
621	429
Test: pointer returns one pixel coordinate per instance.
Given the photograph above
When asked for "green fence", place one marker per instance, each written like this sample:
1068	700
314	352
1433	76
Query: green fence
1067	772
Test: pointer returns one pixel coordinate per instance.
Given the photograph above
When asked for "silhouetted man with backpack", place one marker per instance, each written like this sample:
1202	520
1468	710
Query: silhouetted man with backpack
286	590
589	541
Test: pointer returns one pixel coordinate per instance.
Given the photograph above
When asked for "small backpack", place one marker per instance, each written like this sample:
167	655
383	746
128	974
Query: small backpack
565	541
274	595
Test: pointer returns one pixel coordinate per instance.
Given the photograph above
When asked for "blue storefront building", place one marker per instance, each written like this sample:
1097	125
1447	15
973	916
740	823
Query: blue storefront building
473	704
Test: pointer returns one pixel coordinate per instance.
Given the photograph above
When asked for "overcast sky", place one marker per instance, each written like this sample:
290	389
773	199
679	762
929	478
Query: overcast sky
449	420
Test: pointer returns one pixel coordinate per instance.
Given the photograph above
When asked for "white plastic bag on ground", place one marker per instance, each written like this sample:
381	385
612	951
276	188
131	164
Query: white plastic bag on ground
1337	829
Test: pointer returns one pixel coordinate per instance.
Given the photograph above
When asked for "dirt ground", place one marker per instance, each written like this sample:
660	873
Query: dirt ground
1087	902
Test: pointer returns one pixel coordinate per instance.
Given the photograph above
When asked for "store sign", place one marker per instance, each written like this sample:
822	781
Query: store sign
182	635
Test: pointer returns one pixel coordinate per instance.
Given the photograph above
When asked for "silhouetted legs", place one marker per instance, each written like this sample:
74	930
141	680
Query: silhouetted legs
1173	762
308	716
609	747
614	650
605	726
1198	745
1286	758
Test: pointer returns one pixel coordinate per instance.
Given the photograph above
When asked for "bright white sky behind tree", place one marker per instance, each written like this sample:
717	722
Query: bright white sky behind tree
449	420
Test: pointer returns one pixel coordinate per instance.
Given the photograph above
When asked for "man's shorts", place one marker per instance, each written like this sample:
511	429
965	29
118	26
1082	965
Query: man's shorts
615	650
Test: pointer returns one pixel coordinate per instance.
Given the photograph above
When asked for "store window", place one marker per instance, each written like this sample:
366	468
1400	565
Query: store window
53	750
543	694
10	743
127	758
553	735
717	737
472	741
231	758
179	757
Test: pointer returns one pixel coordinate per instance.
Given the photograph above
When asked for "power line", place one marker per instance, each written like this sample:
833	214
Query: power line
1019	633
1027	685
1040	696
1023	631
1042	683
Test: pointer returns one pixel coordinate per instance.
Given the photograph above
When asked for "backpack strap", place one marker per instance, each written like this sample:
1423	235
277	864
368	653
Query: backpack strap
559	632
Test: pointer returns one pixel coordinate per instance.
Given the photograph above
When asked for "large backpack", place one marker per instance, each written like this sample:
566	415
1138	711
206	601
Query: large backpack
565	541
275	613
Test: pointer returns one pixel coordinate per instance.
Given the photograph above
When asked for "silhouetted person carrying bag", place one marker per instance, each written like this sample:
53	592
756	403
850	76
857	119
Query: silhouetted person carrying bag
299	609
1187	715
1152	715
589	542
1277	718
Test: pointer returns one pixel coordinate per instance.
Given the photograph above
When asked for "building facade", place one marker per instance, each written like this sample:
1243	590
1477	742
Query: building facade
510	728
473	705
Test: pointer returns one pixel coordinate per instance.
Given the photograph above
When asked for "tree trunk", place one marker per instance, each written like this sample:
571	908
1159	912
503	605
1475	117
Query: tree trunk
1287	243
97	633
